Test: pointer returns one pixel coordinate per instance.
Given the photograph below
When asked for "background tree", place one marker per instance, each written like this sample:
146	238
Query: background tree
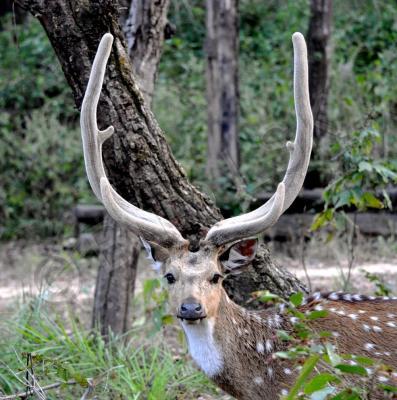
318	43
221	49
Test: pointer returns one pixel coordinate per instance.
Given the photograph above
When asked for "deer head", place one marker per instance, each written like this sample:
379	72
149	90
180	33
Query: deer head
194	278
234	347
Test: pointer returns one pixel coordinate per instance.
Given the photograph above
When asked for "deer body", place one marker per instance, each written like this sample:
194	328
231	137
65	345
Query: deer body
234	347
243	343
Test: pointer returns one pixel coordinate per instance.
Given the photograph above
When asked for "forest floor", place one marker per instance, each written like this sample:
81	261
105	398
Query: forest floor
67	280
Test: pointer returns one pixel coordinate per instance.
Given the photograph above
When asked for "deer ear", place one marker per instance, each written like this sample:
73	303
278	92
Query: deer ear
239	255
155	253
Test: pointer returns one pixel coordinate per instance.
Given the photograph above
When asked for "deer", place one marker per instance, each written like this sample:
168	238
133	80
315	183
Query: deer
233	346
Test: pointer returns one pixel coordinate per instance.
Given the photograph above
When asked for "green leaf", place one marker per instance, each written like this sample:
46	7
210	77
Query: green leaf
322	219
365	166
334	359
283	335
364	360
323	394
296	299
319	382
167	319
371	201
307	369
352	369
317	314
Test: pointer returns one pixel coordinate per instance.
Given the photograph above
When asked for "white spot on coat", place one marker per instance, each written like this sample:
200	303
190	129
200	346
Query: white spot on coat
258	380
353	316
374	318
260	348
269	345
377	328
391	324
369	346
366	327
287	371
317	296
333	296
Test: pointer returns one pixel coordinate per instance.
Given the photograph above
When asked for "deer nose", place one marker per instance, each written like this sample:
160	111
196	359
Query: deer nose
191	311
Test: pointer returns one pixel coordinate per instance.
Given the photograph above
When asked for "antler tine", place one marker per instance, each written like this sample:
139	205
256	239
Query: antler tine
257	221
150	226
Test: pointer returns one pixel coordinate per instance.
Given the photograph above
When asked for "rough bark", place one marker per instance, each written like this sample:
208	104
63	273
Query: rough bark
144	33
222	88
143	23
138	159
318	38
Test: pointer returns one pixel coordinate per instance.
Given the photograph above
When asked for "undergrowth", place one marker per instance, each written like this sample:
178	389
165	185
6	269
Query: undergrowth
38	350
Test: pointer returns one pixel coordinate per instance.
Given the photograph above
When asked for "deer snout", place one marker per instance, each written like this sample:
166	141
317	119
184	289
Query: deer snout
191	310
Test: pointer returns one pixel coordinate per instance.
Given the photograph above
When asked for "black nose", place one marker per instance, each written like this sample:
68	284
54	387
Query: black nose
191	311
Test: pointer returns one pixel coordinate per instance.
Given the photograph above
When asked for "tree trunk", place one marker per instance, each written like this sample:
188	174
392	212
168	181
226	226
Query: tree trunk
222	89
144	24
318	39
138	159
9	6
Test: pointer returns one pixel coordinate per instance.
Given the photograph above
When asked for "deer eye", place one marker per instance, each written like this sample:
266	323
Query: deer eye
215	279
170	278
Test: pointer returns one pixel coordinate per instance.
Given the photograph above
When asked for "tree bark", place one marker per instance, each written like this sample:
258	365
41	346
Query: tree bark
144	33
138	159
318	39
143	23
222	89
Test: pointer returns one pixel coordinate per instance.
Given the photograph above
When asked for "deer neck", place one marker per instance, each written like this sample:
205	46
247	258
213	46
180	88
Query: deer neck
224	345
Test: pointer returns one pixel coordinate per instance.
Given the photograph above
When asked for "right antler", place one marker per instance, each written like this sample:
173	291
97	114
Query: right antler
264	217
150	226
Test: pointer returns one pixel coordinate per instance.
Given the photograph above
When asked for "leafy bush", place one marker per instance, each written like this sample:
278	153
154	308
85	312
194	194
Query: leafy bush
41	161
43	176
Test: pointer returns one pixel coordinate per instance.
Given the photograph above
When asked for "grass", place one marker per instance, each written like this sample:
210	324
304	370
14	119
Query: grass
33	344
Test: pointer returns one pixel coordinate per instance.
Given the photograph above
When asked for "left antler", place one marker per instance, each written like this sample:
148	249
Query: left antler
150	226
264	217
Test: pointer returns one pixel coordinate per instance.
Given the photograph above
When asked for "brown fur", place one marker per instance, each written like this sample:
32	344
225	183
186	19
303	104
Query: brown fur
248	340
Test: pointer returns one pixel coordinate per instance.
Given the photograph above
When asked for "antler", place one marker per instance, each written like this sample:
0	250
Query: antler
150	226
264	217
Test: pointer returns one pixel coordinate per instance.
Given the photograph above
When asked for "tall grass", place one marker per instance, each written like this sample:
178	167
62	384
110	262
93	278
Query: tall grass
126	367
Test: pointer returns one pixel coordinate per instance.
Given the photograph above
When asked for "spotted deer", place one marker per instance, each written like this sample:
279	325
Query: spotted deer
235	347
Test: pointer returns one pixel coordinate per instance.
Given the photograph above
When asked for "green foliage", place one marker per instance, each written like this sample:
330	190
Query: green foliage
43	176
325	373
381	288
124	368
363	87
363	177
41	163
